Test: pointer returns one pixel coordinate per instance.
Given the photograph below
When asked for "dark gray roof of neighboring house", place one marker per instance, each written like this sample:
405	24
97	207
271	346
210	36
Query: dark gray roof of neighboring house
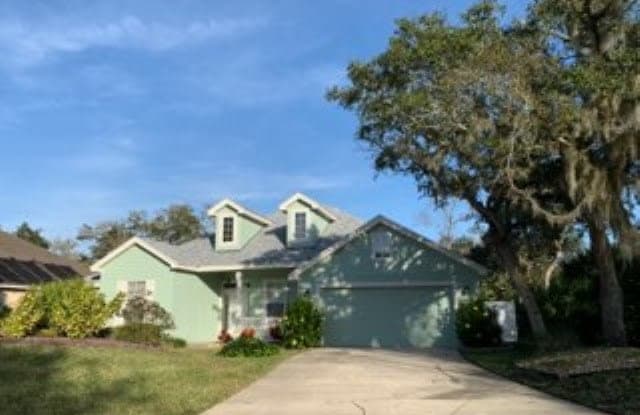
23	263
267	248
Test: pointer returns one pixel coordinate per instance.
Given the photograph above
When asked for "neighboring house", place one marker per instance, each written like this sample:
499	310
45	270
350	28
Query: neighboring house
378	283
23	264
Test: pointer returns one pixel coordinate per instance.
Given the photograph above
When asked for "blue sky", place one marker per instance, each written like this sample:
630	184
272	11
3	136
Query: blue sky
113	106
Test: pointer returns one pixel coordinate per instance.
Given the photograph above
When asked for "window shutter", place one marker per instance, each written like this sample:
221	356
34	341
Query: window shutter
150	285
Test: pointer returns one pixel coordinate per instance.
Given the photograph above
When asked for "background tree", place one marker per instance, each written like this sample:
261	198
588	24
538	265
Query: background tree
67	248
33	235
175	224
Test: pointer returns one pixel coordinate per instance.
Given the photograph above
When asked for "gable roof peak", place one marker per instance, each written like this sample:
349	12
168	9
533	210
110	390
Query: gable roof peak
308	201
241	210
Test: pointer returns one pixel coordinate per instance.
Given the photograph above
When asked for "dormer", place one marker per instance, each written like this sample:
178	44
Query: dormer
235	225
306	220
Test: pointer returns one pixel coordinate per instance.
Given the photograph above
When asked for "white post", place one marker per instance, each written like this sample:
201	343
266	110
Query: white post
239	288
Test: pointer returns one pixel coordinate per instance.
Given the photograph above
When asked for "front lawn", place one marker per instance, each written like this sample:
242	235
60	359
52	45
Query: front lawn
614	391
73	380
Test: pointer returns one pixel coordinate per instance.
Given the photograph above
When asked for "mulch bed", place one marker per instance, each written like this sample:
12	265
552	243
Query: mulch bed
64	341
582	362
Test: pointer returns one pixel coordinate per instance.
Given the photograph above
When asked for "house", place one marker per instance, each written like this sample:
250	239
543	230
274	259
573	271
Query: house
378	283
23	264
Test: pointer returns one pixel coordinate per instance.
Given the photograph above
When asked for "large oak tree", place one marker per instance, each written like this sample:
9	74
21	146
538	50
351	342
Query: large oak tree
534	124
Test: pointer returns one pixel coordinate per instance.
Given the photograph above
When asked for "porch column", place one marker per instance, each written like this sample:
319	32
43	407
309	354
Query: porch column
239	287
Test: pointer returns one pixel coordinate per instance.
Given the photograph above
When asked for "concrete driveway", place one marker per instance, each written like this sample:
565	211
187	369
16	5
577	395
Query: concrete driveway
380	382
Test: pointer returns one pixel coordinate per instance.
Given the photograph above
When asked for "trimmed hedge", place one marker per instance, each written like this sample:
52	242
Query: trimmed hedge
142	333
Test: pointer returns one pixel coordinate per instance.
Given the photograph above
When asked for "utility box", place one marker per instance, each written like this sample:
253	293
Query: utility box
506	317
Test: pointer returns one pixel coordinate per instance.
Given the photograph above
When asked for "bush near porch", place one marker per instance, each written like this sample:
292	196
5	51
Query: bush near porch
302	324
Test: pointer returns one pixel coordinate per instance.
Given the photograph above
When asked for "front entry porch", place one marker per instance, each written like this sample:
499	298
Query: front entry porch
255	299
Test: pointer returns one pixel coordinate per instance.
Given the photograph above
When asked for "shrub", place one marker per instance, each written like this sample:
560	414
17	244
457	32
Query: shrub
140	310
477	325
173	341
142	333
25	318
70	308
302	324
570	306
276	333
4	311
224	337
631	285
46	332
248	347
75	309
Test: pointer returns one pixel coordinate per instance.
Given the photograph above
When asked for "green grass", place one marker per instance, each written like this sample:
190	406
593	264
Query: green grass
615	391
67	380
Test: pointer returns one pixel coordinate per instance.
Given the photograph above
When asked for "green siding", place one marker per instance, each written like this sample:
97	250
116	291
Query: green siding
411	263
316	224
245	229
193	301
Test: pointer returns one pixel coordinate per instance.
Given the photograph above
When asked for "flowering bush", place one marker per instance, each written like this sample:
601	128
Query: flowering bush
477	325
224	337
248	333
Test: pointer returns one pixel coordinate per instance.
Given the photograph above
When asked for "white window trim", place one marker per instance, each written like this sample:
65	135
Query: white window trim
220	231
291	223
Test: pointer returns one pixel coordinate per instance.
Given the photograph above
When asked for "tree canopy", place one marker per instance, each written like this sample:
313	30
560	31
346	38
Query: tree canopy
33	235
534	124
175	224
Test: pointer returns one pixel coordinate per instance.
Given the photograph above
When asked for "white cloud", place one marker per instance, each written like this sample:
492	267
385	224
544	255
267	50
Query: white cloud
28	43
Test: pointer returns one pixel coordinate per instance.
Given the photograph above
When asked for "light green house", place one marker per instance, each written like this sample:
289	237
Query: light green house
378	283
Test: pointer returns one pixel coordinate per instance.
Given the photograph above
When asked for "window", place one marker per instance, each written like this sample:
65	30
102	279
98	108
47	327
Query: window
381	244
300	231
136	289
276	299
227	229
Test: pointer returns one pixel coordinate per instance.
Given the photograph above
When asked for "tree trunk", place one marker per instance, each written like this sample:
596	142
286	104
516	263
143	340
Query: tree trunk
510	263
611	296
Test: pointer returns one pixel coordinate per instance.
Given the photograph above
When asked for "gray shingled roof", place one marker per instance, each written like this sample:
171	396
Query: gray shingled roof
268	248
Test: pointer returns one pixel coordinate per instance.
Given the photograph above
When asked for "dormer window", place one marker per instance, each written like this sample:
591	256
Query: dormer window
227	229
300	225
